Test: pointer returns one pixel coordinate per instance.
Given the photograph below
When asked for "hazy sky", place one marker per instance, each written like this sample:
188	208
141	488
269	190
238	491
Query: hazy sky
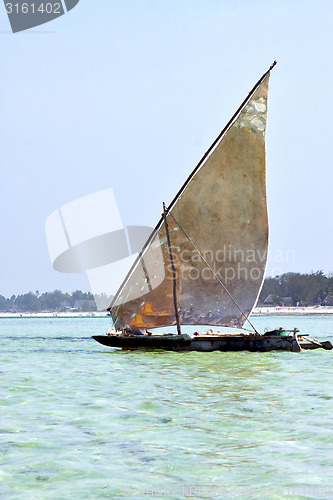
129	94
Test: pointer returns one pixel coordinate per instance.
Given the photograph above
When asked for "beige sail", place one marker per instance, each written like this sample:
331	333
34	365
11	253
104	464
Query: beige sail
220	217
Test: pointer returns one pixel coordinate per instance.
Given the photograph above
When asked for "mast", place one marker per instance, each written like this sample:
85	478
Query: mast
173	272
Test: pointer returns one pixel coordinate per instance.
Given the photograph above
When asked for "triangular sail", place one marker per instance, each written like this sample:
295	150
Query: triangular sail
222	211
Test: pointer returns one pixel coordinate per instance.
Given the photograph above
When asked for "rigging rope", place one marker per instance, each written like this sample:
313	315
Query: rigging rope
246	316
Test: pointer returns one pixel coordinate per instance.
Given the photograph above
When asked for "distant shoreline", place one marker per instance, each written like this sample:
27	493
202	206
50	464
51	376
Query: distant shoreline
257	311
83	314
292	311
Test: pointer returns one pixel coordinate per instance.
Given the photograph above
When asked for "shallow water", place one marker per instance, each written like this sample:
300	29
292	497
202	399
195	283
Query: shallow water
83	421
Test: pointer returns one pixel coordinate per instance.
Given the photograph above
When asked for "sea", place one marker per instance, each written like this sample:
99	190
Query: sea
83	421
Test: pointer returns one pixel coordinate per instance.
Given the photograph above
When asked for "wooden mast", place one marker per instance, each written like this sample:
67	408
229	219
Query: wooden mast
173	272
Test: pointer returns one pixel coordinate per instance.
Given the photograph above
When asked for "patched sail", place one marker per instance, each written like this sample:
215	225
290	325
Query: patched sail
218	227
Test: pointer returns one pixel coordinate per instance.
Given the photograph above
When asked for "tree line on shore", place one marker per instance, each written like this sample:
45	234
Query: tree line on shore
289	289
48	301
293	289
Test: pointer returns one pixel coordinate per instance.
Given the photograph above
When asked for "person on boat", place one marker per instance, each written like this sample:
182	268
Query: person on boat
130	331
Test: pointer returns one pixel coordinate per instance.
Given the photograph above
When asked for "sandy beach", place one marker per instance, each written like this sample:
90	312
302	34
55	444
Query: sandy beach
257	311
292	311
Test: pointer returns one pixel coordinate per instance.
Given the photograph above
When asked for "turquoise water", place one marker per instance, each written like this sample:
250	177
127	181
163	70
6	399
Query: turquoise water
83	421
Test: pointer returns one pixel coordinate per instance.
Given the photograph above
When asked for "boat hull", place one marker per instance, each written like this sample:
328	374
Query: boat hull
254	343
170	343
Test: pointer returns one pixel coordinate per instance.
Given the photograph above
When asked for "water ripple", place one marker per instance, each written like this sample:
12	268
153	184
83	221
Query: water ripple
83	421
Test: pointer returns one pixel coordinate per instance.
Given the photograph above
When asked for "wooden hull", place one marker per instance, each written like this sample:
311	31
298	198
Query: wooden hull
170	343
253	343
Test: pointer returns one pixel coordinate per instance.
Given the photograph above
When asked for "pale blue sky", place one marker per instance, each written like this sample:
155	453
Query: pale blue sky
129	94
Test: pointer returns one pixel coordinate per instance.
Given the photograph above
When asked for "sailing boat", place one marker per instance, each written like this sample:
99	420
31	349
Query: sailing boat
204	263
